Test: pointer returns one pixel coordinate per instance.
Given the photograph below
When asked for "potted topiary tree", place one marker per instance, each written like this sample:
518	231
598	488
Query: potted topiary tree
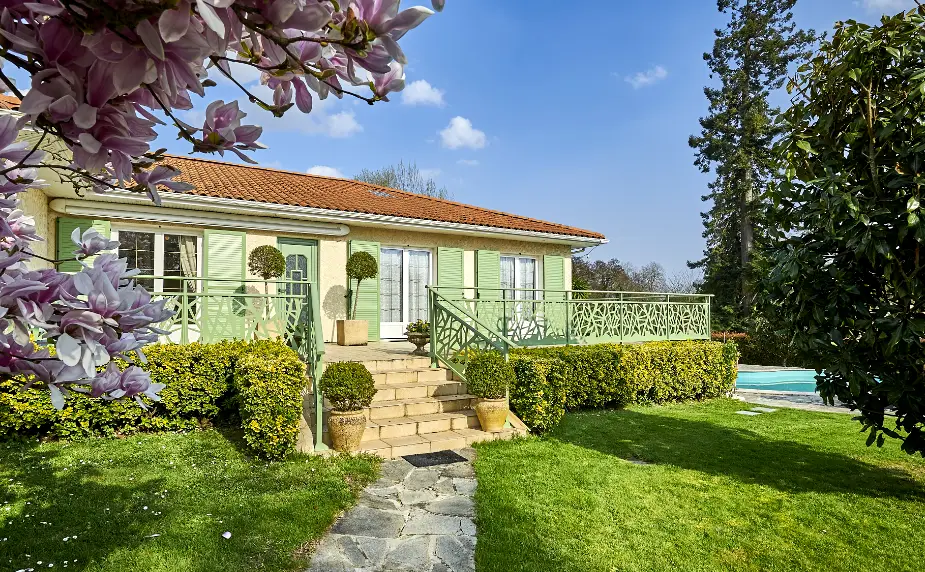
268	263
419	334
488	376
349	388
360	266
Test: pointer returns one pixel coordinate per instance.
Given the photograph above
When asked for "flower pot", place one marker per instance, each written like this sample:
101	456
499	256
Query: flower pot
492	414
346	429
419	339
352	332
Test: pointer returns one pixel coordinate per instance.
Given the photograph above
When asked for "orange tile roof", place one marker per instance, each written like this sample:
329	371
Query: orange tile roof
9	102
261	184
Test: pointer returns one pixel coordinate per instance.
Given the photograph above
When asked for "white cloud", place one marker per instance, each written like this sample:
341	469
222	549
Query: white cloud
468	162
325	119
245	74
460	133
326	171
430	173
646	78
892	6
422	93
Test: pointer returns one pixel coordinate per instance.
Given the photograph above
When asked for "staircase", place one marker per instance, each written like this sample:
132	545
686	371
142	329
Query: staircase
419	409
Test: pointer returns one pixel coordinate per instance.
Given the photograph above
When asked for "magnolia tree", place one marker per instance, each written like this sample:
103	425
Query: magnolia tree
103	74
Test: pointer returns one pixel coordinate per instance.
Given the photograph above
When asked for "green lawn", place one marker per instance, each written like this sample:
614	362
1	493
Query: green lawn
97	505
789	490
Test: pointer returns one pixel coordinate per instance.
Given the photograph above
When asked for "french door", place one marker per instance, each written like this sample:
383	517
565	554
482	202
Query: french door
404	275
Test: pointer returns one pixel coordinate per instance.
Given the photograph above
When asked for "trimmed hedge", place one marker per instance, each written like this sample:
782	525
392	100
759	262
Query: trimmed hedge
203	382
538	393
762	348
269	379
604	375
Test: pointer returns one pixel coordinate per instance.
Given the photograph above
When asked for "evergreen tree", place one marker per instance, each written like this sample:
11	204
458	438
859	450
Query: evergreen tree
750	58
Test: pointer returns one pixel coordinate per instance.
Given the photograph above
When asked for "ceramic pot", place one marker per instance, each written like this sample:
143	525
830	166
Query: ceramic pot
492	414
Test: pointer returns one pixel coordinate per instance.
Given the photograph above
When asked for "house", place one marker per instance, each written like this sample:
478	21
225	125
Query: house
316	222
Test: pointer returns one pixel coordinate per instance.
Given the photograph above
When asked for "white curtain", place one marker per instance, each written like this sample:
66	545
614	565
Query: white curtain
188	260
418	280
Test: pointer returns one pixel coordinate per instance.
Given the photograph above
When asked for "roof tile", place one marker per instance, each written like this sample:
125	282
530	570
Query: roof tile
261	184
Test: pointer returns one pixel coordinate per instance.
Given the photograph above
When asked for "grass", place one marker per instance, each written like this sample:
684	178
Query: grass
163	502
789	490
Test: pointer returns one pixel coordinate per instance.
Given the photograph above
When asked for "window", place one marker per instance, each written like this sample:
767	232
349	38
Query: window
138	248
160	253
518	273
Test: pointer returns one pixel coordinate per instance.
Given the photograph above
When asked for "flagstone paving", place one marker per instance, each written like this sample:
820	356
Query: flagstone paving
411	519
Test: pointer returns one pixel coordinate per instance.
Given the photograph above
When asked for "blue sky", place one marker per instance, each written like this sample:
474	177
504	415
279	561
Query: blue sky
585	125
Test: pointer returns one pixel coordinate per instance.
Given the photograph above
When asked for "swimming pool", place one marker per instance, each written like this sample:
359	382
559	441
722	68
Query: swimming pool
780	380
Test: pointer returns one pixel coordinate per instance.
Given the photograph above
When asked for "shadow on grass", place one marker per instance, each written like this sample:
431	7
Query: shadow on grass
741	454
67	505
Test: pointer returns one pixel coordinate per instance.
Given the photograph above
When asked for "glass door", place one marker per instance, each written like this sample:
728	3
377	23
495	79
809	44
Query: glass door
404	275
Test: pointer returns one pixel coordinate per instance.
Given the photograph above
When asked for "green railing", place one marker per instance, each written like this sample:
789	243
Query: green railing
210	309
457	335
530	317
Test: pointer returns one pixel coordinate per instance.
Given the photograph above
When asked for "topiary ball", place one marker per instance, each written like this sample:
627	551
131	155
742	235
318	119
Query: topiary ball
362	266
488	375
267	262
348	386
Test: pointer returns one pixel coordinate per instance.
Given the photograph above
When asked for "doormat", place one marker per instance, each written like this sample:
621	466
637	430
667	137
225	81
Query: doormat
433	459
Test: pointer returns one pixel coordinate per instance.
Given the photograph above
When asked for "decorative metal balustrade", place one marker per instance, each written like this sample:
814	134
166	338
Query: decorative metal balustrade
209	310
212	309
457	336
480	318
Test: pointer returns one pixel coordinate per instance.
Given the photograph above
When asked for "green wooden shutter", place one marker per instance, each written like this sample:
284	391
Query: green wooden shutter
488	274
450	272
224	315
554	277
65	247
368	298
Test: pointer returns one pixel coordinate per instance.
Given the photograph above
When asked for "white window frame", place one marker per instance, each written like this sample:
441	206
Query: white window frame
536	274
392	328
159	233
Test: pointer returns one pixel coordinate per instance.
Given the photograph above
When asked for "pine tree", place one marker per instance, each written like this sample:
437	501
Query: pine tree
750	57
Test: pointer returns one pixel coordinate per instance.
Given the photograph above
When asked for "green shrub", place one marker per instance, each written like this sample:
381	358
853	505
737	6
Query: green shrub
489	375
348	386
615	375
260	380
539	391
269	379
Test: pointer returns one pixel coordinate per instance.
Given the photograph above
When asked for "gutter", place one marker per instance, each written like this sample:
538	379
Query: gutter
265	216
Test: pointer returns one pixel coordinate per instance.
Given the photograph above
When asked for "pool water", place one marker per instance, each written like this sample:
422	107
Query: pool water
781	380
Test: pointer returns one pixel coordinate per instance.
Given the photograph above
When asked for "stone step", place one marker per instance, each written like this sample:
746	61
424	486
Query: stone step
420	425
417	389
411	375
392	409
392	447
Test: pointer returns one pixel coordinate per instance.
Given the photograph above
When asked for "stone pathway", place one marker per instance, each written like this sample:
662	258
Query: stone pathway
410	520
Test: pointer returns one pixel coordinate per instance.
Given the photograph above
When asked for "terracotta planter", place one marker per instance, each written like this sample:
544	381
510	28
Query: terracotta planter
420	340
346	429
492	414
352	332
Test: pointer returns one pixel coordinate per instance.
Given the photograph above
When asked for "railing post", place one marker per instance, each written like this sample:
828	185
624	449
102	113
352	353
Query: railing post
184	308
568	325
503	315
433	327
667	316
